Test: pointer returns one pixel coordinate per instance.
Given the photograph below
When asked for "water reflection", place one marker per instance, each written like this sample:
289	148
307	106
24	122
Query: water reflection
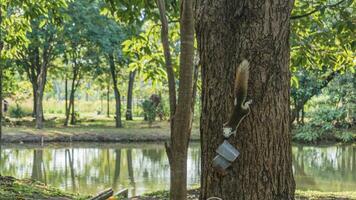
142	168
331	168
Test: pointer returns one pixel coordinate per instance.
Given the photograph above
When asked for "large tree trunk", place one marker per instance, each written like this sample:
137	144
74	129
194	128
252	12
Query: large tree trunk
181	114
228	32
129	95
118	122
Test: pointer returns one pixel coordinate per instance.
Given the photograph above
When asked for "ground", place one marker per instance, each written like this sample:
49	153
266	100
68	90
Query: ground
300	195
15	189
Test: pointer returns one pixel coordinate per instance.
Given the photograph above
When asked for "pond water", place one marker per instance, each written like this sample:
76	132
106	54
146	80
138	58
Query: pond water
89	168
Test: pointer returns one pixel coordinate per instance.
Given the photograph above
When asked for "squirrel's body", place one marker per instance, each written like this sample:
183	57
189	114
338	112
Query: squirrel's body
241	107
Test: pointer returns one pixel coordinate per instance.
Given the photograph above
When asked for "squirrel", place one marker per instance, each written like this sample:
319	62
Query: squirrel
241	106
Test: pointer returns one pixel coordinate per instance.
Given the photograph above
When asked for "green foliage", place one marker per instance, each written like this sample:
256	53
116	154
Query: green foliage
145	52
17	16
346	136
324	118
149	110
19	112
324	38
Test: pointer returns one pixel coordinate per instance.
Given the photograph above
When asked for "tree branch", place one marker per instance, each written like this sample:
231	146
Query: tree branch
319	8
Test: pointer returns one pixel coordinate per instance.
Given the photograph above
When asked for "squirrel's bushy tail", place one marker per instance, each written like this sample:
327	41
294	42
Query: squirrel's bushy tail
241	81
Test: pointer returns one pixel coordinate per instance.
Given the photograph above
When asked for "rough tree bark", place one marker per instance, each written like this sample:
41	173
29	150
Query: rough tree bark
228	32
181	114
129	95
118	122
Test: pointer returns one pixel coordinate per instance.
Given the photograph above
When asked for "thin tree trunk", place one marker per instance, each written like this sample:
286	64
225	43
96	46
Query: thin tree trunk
70	111
66	100
118	122
181	114
101	104
75	85
129	95
72	116
227	33
303	113
40	90
168	59
108	101
34	89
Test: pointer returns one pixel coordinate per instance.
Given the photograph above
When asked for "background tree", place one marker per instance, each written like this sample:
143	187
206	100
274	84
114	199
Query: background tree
42	48
321	47
76	33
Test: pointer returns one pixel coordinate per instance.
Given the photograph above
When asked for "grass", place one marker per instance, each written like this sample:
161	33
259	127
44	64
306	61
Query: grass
314	195
16	189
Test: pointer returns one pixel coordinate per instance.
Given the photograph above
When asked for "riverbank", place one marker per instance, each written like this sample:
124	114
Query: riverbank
103	130
110	134
14	189
133	131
